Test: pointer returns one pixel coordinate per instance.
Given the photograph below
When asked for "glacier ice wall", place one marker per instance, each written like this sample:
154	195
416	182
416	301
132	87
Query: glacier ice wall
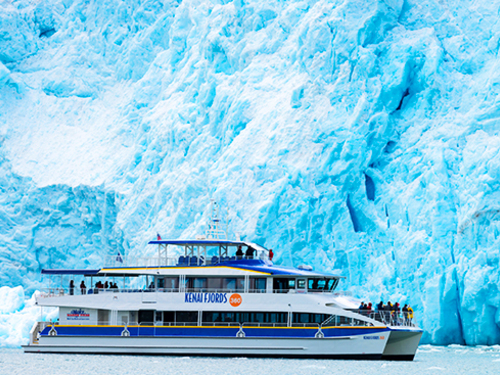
55	226
360	136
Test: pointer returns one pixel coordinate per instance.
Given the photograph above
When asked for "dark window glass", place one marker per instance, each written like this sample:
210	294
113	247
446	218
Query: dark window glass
188	283
281	285
200	284
244	317
168	317
330	320
240	284
146	316
301	284
171	282
158	316
229	284
258	283
214	284
186	316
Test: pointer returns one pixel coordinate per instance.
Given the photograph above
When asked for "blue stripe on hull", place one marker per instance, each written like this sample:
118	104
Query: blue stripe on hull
209	331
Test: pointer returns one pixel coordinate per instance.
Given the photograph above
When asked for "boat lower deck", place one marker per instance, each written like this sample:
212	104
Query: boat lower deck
367	345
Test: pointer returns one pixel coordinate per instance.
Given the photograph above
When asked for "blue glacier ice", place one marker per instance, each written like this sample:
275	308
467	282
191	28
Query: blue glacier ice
359	136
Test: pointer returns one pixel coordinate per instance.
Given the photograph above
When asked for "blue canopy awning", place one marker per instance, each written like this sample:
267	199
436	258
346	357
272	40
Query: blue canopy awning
70	272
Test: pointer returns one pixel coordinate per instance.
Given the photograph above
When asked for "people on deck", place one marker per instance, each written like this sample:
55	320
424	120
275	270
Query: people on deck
405	313
71	287
388	309
239	253
106	285
361	307
249	252
271	254
380	308
410	314
83	288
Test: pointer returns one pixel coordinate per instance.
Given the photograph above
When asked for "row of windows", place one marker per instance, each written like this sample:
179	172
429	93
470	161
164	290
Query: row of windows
212	283
257	283
149	316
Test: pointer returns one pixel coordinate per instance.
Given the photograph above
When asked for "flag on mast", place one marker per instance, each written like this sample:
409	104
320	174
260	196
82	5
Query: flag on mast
119	257
158	237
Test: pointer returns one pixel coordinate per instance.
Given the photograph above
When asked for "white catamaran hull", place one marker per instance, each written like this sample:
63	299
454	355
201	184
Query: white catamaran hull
367	346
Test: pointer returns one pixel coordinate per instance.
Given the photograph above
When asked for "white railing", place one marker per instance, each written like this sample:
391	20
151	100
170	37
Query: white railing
63	292
390	318
122	261
181	260
35	331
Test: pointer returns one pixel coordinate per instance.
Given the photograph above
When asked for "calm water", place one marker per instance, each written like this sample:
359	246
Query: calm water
429	360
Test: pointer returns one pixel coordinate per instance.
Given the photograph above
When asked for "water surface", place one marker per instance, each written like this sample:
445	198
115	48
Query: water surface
429	360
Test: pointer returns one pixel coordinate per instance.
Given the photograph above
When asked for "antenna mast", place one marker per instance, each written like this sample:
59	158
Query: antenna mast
214	230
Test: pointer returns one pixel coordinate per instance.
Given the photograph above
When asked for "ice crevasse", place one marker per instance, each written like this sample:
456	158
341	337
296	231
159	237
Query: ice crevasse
358	136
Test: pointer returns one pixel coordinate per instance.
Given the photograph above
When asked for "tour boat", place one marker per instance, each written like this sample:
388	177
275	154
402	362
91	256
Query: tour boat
219	298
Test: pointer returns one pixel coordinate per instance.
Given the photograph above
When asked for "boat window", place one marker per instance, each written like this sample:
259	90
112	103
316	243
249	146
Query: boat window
171	283
103	316
309	318
301	284
344	321
245	317
330	321
146	317
158	316
240	284
335	282
229	284
257	284
214	284
322	284
200	283
168	317
215	317
281	285
186	317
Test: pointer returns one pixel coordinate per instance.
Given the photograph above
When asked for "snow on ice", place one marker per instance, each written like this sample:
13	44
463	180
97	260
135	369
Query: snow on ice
359	136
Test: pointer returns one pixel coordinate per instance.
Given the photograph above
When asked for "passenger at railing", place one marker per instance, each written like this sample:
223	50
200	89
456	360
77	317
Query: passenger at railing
98	285
151	286
410	314
380	306
239	253
369	307
249	253
71	287
83	288
106	285
388	310
395	313
405	314
271	255
362	306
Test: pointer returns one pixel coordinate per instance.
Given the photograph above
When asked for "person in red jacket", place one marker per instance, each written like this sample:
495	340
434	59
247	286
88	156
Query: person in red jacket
271	254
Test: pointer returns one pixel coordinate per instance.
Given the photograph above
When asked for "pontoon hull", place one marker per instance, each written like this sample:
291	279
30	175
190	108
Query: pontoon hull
367	346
